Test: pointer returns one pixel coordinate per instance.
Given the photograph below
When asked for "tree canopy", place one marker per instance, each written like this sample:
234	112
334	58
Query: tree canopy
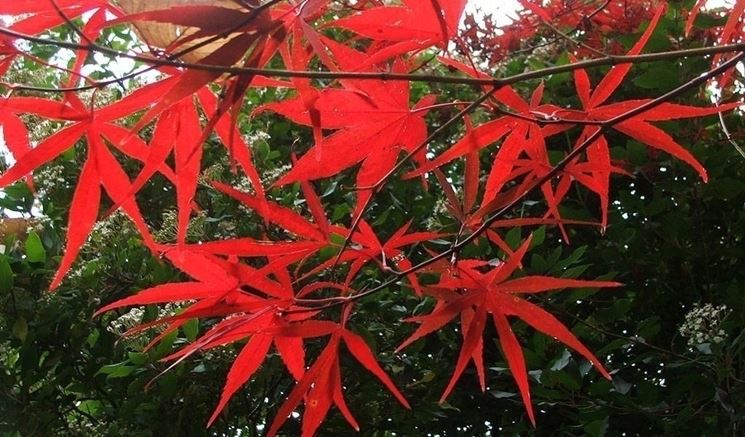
306	217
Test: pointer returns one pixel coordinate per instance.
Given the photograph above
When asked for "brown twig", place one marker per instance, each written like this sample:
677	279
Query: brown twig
334	301
384	76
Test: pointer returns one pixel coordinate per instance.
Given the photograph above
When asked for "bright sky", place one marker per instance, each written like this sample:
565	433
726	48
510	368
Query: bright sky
500	9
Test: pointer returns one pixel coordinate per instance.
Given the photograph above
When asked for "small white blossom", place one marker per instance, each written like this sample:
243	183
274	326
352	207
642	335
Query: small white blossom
126	321
702	324
271	176
439	209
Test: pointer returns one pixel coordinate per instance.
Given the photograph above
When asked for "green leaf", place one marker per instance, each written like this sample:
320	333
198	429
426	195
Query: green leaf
35	251
501	394
620	385
657	78
191	329
562	361
6	276
20	328
597	428
118	370
137	358
539	236
91	407
165	345
513	238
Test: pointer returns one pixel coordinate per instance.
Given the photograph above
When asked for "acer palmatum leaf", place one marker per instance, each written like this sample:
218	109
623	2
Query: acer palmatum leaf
321	386
413	26
477	294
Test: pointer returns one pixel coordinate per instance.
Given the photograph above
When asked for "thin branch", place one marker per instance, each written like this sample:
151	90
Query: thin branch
727	134
385	76
70	23
134	74
571	40
333	301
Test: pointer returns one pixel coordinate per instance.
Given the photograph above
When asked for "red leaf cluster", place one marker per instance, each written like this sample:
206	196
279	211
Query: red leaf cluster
276	293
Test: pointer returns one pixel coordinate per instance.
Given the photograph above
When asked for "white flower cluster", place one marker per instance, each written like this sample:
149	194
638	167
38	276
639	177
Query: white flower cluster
212	173
244	185
126	321
195	231
49	178
440	209
702	324
115	226
133	318
256	136
271	176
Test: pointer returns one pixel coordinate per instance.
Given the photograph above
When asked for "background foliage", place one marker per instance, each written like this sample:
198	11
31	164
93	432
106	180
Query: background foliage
673	241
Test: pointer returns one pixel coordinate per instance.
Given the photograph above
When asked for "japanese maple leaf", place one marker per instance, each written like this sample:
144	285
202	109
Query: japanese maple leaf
523	153
101	169
312	236
259	331
366	245
375	125
464	209
512	129
321	386
223	287
595	172
295	21
413	26
475	294
181	122
248	301
178	132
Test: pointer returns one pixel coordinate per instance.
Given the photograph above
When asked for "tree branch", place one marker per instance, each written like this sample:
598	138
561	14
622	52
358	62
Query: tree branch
384	76
316	304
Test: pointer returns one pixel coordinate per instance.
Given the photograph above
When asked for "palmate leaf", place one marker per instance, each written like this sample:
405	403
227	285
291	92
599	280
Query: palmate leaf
375	125
249	303
413	26
478	294
98	127
100	169
598	164
523	154
368	249
321	385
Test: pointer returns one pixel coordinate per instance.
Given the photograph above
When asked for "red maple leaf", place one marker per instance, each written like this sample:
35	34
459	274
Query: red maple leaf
252	306
321	386
595	172
410	27
474	294
375	125
101	169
